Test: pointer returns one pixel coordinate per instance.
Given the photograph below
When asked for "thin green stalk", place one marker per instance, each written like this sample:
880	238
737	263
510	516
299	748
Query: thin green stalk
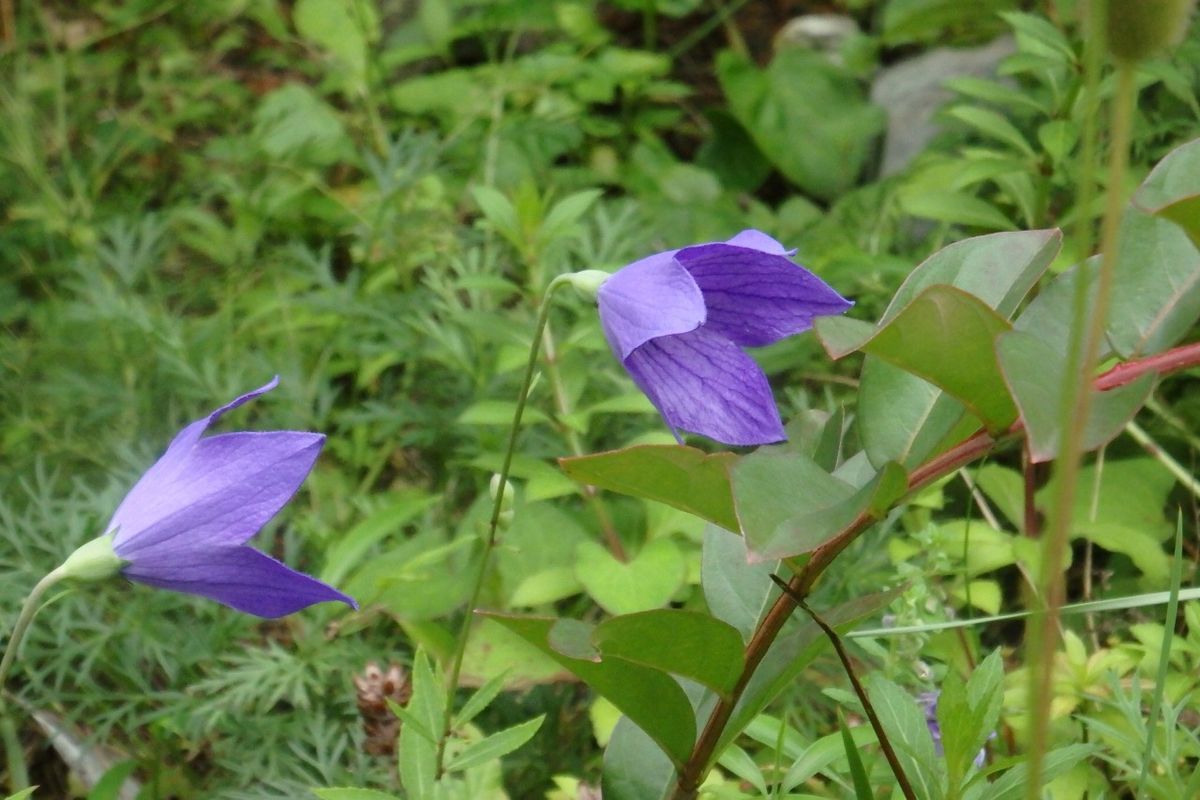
1181	473
1163	655
28	611
489	544
1043	637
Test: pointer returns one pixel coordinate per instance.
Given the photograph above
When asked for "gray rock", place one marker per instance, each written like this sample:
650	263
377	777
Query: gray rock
911	92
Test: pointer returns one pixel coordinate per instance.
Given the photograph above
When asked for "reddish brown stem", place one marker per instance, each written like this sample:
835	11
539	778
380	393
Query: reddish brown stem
964	453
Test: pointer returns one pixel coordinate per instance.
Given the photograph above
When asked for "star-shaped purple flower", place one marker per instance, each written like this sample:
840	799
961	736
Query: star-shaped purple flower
185	524
678	322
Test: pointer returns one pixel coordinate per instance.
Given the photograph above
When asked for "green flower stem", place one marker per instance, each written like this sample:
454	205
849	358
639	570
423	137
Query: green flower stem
1181	473
1044	630
28	610
960	455
563	405
489	544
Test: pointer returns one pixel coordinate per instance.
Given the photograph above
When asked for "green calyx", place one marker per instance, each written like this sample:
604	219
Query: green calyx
94	561
587	282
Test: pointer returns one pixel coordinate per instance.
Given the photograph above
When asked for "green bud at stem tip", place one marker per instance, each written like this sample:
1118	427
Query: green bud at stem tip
1138	29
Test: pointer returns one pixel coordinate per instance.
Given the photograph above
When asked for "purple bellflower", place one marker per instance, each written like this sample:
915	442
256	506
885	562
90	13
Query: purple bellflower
185	523
678	321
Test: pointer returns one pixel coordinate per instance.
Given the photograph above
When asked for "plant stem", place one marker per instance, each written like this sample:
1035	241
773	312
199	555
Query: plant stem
28	611
884	743
489	544
563	406
931	471
1044	631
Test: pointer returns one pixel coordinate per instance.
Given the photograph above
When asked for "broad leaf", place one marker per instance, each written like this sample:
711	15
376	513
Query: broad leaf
765	489
736	590
1034	371
418	755
685	643
909	734
684	477
902	417
1156	285
947	337
648	580
1172	189
634	768
803	97
649	697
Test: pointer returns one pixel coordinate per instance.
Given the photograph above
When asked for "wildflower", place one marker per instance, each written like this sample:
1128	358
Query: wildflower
185	524
678	320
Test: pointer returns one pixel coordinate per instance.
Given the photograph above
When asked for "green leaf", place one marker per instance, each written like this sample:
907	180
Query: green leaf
908	732
862	786
1034	370
634	768
562	218
736	590
1156	285
501	213
955	208
902	417
685	643
351	793
481	699
351	548
802	96
1048	316
992	125
764	490
792	652
947	337
968	714
649	697
112	781
1172	189
23	794
779	524
646	581
1144	550
683	477
495	746
418	755
1012	784
499	412
340	27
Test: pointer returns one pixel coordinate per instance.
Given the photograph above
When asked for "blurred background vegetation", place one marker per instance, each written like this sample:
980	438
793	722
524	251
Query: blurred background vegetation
367	197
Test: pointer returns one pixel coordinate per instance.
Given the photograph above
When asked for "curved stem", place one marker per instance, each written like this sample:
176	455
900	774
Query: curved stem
28	611
489	544
955	458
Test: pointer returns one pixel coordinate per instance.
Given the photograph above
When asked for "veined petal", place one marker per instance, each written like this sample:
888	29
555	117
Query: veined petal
221	491
240	577
755	297
702	382
757	240
649	298
164	471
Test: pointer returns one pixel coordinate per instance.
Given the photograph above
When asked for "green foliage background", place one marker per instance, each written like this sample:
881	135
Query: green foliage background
368	198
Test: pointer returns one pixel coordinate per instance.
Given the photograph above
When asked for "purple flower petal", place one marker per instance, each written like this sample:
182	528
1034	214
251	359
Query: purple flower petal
147	490
240	577
757	240
221	491
756	297
702	382
647	299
